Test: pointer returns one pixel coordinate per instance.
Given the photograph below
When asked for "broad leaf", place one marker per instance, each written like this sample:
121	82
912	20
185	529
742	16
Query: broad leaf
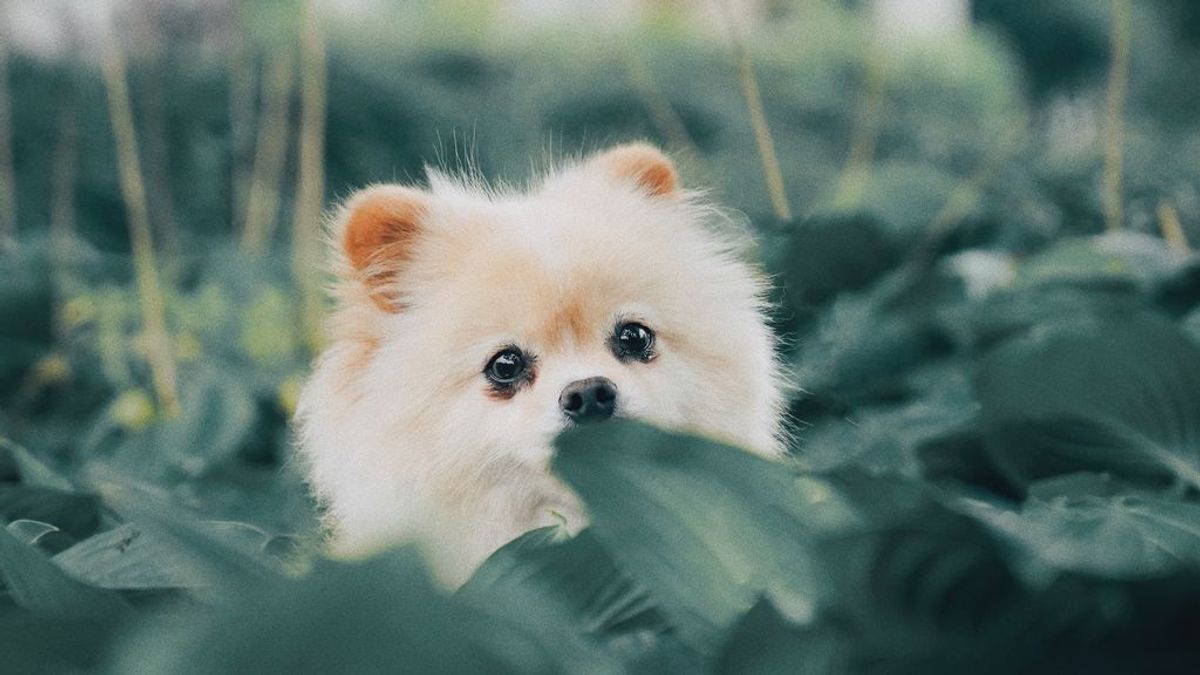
38	585
708	527
572	590
763	642
1095	395
126	558
1112	536
31	531
76	513
379	616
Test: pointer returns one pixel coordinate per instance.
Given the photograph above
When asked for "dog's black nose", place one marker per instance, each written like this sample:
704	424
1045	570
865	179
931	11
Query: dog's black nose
589	400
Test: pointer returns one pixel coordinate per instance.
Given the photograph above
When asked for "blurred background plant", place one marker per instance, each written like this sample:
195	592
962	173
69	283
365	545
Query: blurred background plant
960	201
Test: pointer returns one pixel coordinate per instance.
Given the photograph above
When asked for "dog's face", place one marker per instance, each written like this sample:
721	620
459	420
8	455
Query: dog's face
507	319
473	327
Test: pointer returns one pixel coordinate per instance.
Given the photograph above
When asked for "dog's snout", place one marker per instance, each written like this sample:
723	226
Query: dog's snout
589	400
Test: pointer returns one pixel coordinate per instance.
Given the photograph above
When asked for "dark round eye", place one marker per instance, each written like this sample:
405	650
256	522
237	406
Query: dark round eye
506	367
633	340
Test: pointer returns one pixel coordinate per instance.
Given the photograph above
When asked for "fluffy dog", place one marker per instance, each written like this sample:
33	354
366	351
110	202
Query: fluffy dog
473	325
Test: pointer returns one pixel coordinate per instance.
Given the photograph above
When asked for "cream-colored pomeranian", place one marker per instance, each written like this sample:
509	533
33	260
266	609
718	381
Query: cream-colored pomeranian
472	326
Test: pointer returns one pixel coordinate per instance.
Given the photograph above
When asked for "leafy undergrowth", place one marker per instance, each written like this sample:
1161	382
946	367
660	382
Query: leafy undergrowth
996	457
1001	477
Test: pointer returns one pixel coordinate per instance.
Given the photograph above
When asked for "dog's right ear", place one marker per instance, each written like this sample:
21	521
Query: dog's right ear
380	225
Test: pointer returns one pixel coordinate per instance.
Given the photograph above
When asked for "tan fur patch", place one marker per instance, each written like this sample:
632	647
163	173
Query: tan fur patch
380	230
568	324
645	165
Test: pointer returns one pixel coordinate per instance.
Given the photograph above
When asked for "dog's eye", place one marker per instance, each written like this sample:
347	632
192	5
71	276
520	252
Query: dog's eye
506	367
633	341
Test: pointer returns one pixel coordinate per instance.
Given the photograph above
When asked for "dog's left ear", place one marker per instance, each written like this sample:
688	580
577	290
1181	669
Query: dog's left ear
642	164
379	228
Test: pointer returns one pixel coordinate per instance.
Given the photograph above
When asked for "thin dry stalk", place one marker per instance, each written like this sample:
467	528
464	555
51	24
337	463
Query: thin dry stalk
964	198
758	118
665	117
853	179
62	205
133	191
1114	130
262	203
8	188
1172	229
157	154
243	82
310	179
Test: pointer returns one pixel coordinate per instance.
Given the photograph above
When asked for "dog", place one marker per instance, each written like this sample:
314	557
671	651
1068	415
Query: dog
472	325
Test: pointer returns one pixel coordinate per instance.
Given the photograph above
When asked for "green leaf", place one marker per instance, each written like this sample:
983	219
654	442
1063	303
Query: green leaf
859	345
32	643
221	564
825	256
1191	325
1120	255
1099	395
1116	536
885	437
572	590
708	527
32	471
38	585
381	615
30	531
76	513
217	419
764	642
126	558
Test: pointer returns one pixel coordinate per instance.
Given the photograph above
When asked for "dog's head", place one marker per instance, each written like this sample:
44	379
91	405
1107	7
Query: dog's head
476	325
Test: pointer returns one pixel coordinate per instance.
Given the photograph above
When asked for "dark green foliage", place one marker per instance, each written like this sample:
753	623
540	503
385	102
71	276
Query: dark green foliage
995	462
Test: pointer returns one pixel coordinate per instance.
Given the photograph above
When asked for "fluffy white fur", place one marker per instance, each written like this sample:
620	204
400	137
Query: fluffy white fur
399	434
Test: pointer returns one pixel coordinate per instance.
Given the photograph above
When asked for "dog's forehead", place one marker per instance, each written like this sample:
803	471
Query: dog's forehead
525	272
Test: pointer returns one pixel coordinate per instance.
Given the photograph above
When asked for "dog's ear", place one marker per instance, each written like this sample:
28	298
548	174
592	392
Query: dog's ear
642	164
380	225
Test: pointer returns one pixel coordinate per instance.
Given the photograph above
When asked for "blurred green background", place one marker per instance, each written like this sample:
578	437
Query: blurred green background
979	215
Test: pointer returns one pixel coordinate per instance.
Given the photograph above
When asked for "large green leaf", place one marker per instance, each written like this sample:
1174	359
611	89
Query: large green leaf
34	643
217	564
885	437
763	642
36	584
1119	536
384	615
215	422
1119	255
1100	395
126	558
707	527
73	512
572	590
825	256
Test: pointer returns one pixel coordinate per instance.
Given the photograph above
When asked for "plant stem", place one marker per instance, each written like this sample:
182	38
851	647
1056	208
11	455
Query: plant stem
758	119
853	179
1114	132
8	188
62	207
133	191
1172	229
157	151
242	86
665	117
262	203
310	179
